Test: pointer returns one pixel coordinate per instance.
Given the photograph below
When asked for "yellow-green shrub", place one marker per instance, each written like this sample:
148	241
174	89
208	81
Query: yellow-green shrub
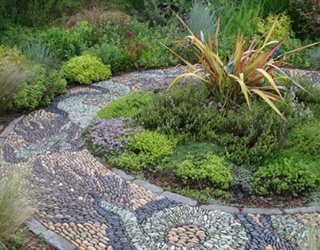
285	176
86	69
11	55
209	168
147	148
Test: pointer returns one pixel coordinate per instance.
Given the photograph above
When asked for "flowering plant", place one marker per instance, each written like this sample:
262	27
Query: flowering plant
134	47
110	137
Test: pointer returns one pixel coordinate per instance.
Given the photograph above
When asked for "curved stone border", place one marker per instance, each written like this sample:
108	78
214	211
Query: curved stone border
50	237
230	209
8	129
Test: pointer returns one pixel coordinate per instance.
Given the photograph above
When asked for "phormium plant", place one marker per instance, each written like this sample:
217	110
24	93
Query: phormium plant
254	70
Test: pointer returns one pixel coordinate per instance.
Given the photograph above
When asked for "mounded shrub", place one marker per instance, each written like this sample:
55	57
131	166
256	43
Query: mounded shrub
39	89
285	176
55	85
86	69
64	43
127	106
209	168
28	95
244	136
306	139
112	54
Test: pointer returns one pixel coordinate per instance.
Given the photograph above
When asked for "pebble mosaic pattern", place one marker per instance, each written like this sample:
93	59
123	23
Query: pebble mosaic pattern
93	208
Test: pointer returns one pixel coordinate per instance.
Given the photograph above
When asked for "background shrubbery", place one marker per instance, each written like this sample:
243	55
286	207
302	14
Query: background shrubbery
128	34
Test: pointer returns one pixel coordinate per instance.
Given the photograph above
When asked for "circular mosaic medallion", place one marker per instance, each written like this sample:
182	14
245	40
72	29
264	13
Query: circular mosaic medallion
186	235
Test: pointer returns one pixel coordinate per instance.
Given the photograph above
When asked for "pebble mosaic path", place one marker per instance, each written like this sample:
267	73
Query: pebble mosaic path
92	207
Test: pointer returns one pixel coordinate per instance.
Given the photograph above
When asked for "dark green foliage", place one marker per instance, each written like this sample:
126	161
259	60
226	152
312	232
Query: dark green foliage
113	55
245	136
241	183
161	12
285	176
37	12
305	15
15	35
177	111
56	84
208	168
64	43
146	150
127	106
248	137
197	149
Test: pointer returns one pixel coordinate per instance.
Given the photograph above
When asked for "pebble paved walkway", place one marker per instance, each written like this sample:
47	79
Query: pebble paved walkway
94	208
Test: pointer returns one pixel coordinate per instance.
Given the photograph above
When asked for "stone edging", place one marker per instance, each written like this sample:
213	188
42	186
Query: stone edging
225	208
8	129
50	237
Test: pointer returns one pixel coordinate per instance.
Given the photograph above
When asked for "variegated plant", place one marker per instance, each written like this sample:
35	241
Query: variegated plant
253	70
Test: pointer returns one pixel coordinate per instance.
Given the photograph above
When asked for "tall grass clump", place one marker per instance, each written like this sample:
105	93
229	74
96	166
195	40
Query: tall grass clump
313	242
11	75
235	16
15	207
202	20
254	69
39	53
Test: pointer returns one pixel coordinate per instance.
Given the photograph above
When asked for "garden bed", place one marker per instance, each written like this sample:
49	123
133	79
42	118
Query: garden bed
178	140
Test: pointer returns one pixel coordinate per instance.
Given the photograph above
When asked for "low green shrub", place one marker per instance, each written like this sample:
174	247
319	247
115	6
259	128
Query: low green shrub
86	69
242	178
111	54
245	136
28	95
197	149
15	206
15	35
39	89
64	43
181	111
209	168
55	85
127	106
306	138
146	149
285	176
203	195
